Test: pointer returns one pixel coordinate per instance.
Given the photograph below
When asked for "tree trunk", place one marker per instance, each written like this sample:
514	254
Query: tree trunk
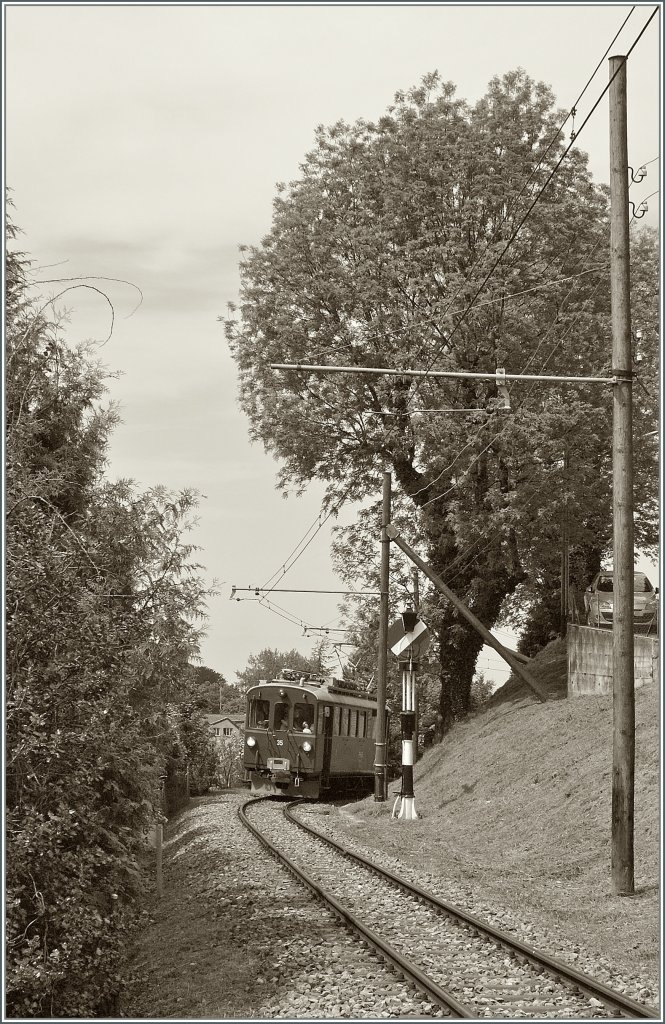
459	643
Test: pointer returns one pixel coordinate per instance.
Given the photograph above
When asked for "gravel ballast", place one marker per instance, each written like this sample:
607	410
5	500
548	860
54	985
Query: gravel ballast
239	937
299	961
640	984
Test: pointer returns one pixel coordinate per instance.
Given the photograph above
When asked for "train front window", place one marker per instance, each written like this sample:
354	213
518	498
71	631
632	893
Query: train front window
281	716
259	714
303	717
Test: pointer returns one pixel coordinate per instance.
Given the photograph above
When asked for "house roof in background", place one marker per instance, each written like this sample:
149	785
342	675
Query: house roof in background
235	719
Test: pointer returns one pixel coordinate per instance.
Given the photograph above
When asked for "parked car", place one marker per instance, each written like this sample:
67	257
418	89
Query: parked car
599	602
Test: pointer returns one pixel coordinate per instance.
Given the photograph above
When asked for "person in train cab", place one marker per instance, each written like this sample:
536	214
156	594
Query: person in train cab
284	722
305	727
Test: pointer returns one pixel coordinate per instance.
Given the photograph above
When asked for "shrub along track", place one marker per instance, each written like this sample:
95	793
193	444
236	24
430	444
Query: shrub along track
461	964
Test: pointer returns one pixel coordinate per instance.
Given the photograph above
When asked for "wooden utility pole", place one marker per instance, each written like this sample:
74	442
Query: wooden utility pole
565	553
380	781
623	765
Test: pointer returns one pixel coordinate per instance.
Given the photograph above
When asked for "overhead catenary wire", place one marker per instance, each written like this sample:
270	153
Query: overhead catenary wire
284	568
284	613
288	564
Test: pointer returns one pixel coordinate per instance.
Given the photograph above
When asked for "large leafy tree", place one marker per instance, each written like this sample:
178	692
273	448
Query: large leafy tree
104	607
404	243
268	664
211	691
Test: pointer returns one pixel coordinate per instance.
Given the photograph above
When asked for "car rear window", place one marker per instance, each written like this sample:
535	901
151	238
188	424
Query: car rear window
641	584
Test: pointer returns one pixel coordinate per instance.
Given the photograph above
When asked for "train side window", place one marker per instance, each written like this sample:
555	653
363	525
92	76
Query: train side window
362	721
337	714
371	725
344	731
281	716
320	726
259	713
353	722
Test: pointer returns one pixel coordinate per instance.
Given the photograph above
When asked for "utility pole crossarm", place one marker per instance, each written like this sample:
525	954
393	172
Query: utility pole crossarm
508	656
387	371
285	590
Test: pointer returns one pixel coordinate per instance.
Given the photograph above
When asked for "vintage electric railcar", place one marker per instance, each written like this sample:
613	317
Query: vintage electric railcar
309	736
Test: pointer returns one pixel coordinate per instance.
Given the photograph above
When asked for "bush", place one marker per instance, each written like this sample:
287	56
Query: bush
102	600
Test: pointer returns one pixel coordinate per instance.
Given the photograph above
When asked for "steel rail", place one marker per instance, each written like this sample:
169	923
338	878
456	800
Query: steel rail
426	985
591	987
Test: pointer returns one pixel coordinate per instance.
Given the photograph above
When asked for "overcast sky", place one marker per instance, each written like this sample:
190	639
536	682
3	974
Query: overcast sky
144	143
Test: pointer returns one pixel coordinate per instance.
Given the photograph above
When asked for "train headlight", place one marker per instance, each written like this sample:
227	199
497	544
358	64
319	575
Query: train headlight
307	746
251	742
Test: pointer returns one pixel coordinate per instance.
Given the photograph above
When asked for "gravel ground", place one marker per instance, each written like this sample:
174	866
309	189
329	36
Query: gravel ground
236	937
486	979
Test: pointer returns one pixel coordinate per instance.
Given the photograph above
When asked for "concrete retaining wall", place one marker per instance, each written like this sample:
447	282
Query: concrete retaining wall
590	661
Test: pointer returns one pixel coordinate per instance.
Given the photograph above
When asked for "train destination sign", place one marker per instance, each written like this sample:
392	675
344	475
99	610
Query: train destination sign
405	644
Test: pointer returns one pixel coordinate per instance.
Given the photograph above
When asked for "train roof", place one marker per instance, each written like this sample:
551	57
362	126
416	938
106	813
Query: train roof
335	690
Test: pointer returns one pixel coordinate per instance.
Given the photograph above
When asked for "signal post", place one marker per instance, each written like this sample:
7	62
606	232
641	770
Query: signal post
408	638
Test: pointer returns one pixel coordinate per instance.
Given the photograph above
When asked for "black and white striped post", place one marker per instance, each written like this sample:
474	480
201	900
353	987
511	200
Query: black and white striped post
407	809
410	637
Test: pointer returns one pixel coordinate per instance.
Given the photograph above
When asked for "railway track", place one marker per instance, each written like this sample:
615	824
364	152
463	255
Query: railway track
463	966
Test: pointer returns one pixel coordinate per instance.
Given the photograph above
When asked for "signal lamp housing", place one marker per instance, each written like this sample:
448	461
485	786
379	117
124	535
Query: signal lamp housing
409	619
